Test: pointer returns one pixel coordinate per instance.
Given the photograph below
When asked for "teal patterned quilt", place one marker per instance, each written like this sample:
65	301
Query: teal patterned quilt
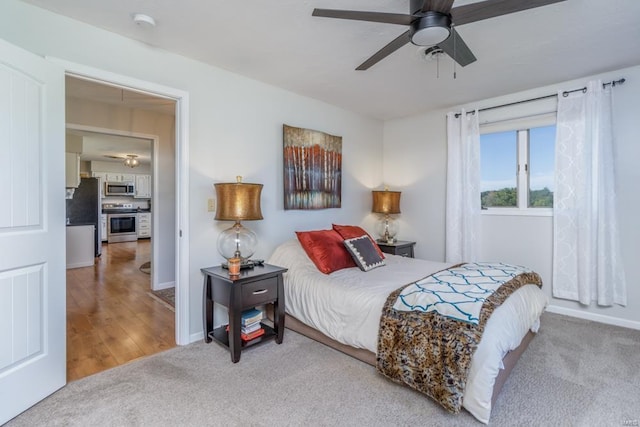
457	292
430	329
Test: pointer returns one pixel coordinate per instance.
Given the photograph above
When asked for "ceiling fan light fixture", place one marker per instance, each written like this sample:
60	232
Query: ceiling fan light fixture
431	29
131	161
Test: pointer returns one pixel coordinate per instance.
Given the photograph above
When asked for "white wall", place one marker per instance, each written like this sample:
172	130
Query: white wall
415	162
235	128
415	159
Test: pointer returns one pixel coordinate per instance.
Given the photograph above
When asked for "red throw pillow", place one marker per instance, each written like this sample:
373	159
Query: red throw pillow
353	231
326	250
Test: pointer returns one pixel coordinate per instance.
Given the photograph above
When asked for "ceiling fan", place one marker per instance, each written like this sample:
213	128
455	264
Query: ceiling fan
432	23
130	160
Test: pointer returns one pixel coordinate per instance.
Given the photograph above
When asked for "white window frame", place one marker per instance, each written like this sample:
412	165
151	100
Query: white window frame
521	126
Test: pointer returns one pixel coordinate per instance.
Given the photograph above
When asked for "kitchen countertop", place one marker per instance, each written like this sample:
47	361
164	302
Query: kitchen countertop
78	224
125	211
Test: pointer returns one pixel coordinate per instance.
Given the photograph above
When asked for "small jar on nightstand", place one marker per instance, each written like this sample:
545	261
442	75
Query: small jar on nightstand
399	247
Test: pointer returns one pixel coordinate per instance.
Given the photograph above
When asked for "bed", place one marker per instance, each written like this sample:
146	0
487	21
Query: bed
343	309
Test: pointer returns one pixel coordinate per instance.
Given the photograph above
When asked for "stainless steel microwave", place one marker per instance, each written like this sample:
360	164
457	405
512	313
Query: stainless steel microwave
119	189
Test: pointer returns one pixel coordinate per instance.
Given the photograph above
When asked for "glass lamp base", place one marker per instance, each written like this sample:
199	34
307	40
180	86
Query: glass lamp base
237	242
245	264
389	241
387	229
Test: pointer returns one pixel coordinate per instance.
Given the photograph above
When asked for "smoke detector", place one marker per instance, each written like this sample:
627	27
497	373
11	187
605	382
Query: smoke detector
143	20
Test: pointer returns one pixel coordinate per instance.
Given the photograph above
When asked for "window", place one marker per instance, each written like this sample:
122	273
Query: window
517	168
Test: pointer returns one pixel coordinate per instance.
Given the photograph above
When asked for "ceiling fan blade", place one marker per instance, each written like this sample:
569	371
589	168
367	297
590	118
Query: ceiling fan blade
457	49
396	44
442	6
387	18
491	8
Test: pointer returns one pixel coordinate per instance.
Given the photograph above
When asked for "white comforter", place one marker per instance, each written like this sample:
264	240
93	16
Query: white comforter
346	306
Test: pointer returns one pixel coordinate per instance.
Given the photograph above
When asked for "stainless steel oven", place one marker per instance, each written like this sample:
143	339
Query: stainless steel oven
122	227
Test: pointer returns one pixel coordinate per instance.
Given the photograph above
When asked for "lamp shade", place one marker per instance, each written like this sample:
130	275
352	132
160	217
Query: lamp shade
238	201
386	202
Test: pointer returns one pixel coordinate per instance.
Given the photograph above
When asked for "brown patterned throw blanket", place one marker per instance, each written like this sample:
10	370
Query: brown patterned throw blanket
430	329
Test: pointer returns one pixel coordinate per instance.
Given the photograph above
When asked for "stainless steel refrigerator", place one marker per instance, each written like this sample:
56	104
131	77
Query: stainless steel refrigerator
85	208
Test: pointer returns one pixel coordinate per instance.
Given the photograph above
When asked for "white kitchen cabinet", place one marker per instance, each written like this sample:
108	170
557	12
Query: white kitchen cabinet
144	225
103	222
113	177
72	170
120	177
143	187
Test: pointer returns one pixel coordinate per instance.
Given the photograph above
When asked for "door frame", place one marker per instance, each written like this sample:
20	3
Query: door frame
182	173
154	140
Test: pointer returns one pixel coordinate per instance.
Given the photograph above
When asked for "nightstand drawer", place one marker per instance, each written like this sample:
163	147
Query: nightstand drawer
259	292
401	247
407	251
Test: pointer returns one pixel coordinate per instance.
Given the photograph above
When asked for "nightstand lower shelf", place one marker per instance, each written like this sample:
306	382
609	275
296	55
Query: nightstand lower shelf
221	336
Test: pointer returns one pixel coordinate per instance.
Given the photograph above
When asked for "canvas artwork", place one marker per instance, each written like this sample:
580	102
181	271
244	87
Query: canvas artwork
312	169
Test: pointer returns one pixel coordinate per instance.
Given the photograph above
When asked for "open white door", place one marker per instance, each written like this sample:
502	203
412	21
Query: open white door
32	230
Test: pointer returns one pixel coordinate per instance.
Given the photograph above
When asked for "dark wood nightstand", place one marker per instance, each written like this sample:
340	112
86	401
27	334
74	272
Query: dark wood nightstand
253	287
400	247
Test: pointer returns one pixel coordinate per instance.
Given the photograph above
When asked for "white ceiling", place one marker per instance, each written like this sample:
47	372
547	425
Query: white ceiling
77	88
112	148
280	43
107	147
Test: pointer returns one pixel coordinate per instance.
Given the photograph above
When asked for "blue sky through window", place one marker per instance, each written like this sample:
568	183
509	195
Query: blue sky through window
499	159
542	143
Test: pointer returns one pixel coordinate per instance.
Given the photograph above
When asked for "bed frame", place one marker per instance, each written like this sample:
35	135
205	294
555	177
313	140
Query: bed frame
366	356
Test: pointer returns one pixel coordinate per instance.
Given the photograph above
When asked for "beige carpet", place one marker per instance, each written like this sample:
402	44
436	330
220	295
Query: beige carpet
575	373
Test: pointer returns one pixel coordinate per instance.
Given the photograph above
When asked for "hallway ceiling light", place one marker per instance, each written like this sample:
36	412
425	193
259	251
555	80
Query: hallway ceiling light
131	161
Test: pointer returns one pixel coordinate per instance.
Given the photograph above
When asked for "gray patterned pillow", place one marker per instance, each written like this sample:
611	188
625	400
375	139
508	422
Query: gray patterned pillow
364	253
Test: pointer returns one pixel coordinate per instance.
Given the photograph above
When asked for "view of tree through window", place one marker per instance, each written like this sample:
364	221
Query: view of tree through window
500	155
498	163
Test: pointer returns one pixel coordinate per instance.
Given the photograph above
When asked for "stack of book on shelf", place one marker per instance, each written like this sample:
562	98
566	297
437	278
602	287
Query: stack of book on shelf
251	326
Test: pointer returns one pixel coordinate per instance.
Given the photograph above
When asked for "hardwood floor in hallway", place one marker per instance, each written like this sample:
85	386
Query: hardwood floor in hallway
111	318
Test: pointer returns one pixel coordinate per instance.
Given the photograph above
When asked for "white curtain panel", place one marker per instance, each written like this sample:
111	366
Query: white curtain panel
587	265
463	187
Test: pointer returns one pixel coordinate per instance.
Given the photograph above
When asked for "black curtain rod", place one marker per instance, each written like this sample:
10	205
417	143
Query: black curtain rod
566	93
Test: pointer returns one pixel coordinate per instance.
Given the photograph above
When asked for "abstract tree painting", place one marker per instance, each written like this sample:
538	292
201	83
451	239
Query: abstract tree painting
312	169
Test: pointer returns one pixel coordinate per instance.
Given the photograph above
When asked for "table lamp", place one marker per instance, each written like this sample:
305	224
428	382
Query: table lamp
238	201
386	203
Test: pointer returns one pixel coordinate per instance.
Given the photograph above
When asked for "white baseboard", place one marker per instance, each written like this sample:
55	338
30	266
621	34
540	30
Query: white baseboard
165	285
198	336
81	264
600	318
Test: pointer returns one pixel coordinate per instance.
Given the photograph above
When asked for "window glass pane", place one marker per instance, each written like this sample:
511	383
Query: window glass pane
542	142
498	162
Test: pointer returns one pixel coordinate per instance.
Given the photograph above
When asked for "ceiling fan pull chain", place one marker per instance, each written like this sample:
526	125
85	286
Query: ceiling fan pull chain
454	50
